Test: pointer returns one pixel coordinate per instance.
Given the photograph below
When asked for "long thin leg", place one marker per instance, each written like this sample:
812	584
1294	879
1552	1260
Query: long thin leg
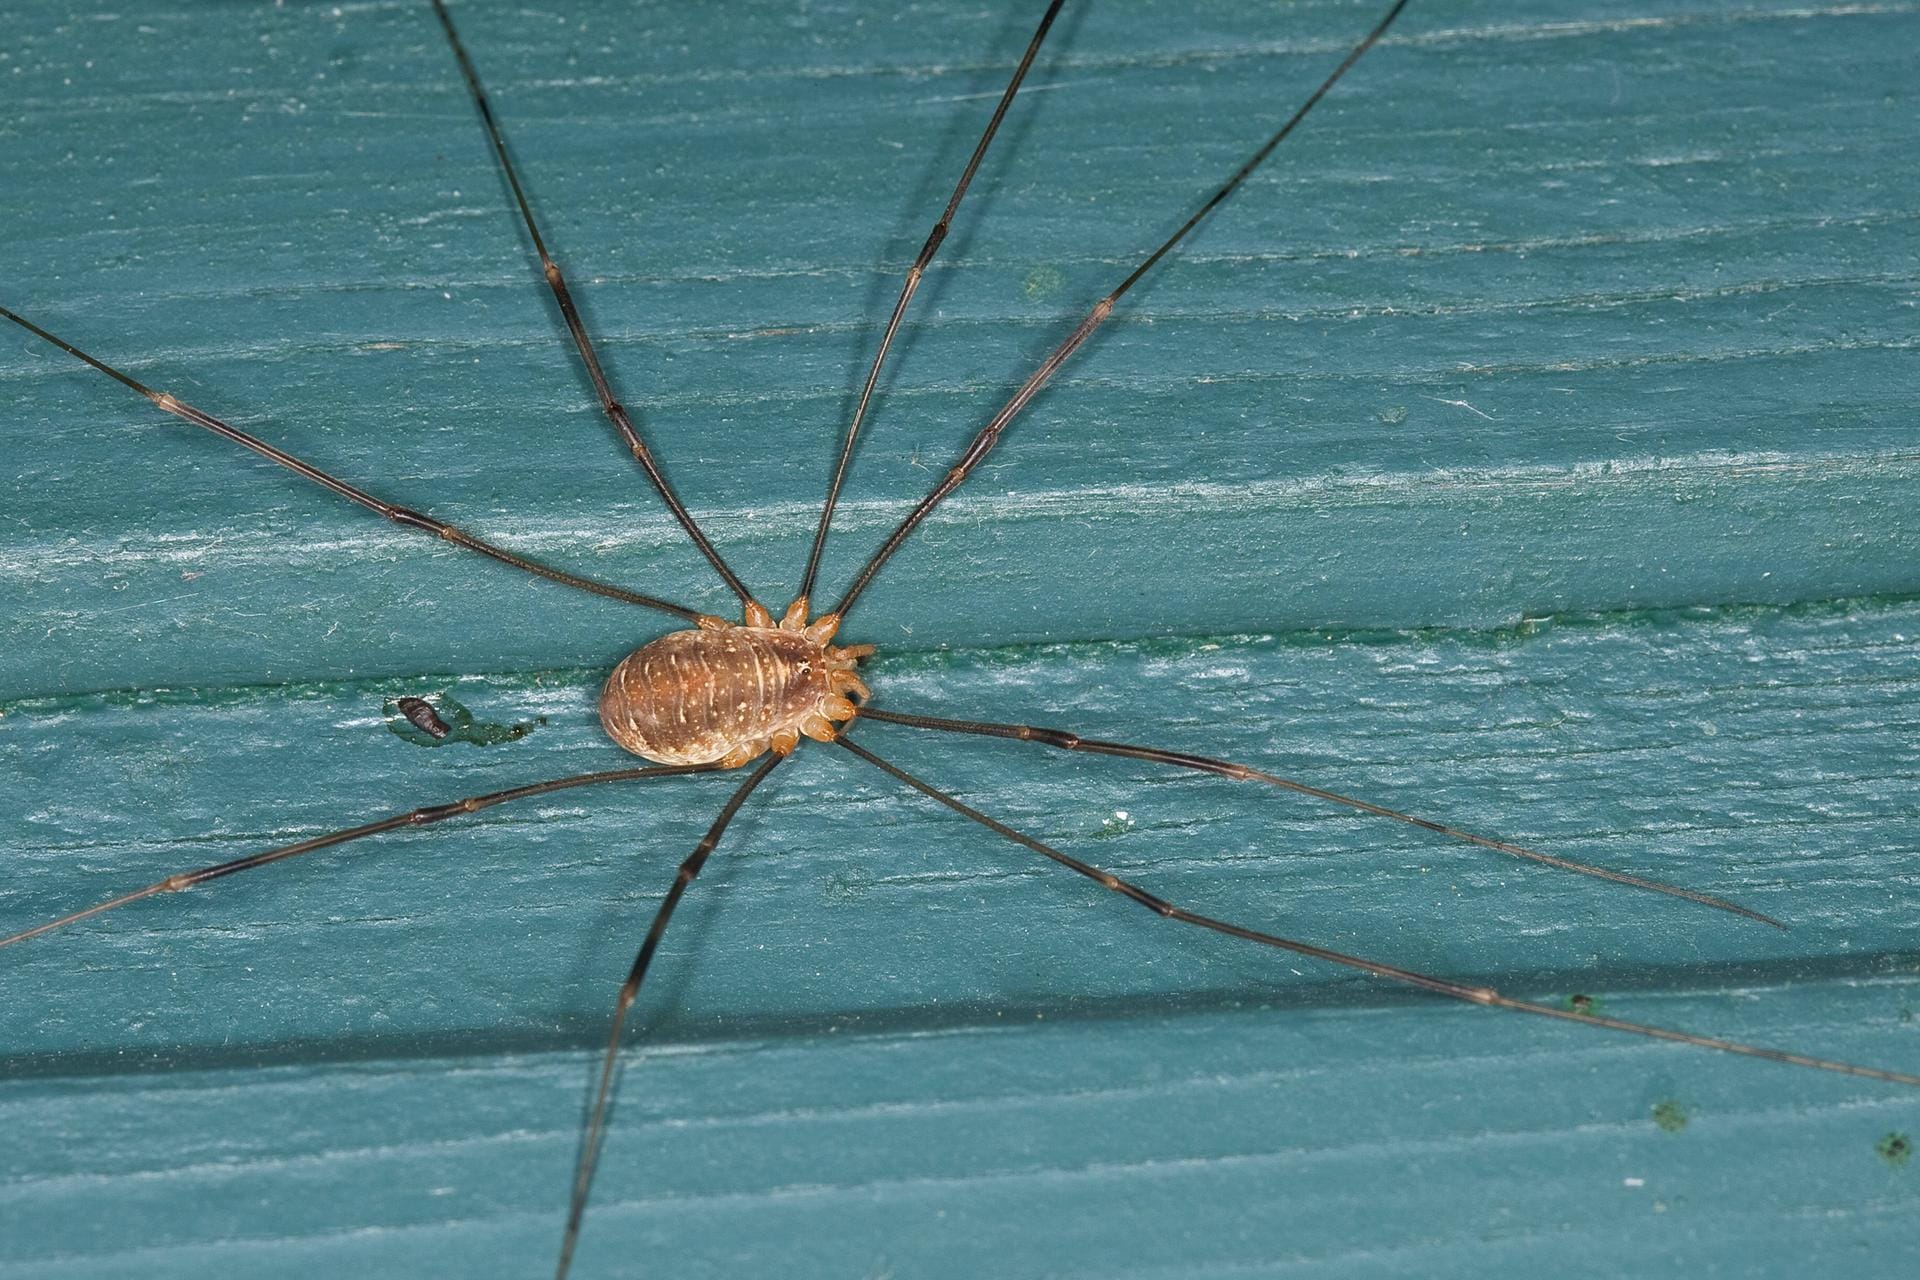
603	1091
1439	986
412	818
932	246
1246	773
399	515
984	442
615	411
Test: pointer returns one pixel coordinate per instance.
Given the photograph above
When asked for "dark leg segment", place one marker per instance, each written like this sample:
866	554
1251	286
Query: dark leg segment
1245	773
1427	982
984	442
932	246
615	411
413	818
596	1126
399	515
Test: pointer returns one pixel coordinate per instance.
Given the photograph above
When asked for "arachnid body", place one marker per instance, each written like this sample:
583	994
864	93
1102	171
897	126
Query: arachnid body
883	1043
724	694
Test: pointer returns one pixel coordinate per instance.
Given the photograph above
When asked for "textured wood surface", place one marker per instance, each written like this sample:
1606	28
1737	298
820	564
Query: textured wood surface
1597	316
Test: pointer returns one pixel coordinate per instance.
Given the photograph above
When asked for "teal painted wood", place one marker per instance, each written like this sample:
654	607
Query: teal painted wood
1666	248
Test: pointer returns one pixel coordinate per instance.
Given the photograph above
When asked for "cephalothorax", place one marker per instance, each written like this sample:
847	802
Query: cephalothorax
725	694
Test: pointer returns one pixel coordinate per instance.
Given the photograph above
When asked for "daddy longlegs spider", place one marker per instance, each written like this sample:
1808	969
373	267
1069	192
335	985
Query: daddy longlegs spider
636	397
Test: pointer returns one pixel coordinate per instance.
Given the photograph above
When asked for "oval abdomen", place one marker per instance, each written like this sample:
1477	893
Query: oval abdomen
694	697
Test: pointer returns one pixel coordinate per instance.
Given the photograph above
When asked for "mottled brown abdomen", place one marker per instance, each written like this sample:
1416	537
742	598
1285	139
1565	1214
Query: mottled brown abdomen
726	693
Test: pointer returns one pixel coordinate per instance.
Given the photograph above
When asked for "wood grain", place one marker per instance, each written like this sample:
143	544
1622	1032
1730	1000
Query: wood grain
1595	316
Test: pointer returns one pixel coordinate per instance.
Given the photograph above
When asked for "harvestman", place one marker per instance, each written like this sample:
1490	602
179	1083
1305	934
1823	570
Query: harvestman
719	695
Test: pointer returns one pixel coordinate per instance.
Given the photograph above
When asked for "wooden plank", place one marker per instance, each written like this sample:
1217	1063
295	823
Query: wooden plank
1666	247
871	1015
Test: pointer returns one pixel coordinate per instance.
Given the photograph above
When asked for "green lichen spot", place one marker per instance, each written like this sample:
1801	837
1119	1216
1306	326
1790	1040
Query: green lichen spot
849	884
443	720
1670	1116
1042	283
1118	823
1896	1149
